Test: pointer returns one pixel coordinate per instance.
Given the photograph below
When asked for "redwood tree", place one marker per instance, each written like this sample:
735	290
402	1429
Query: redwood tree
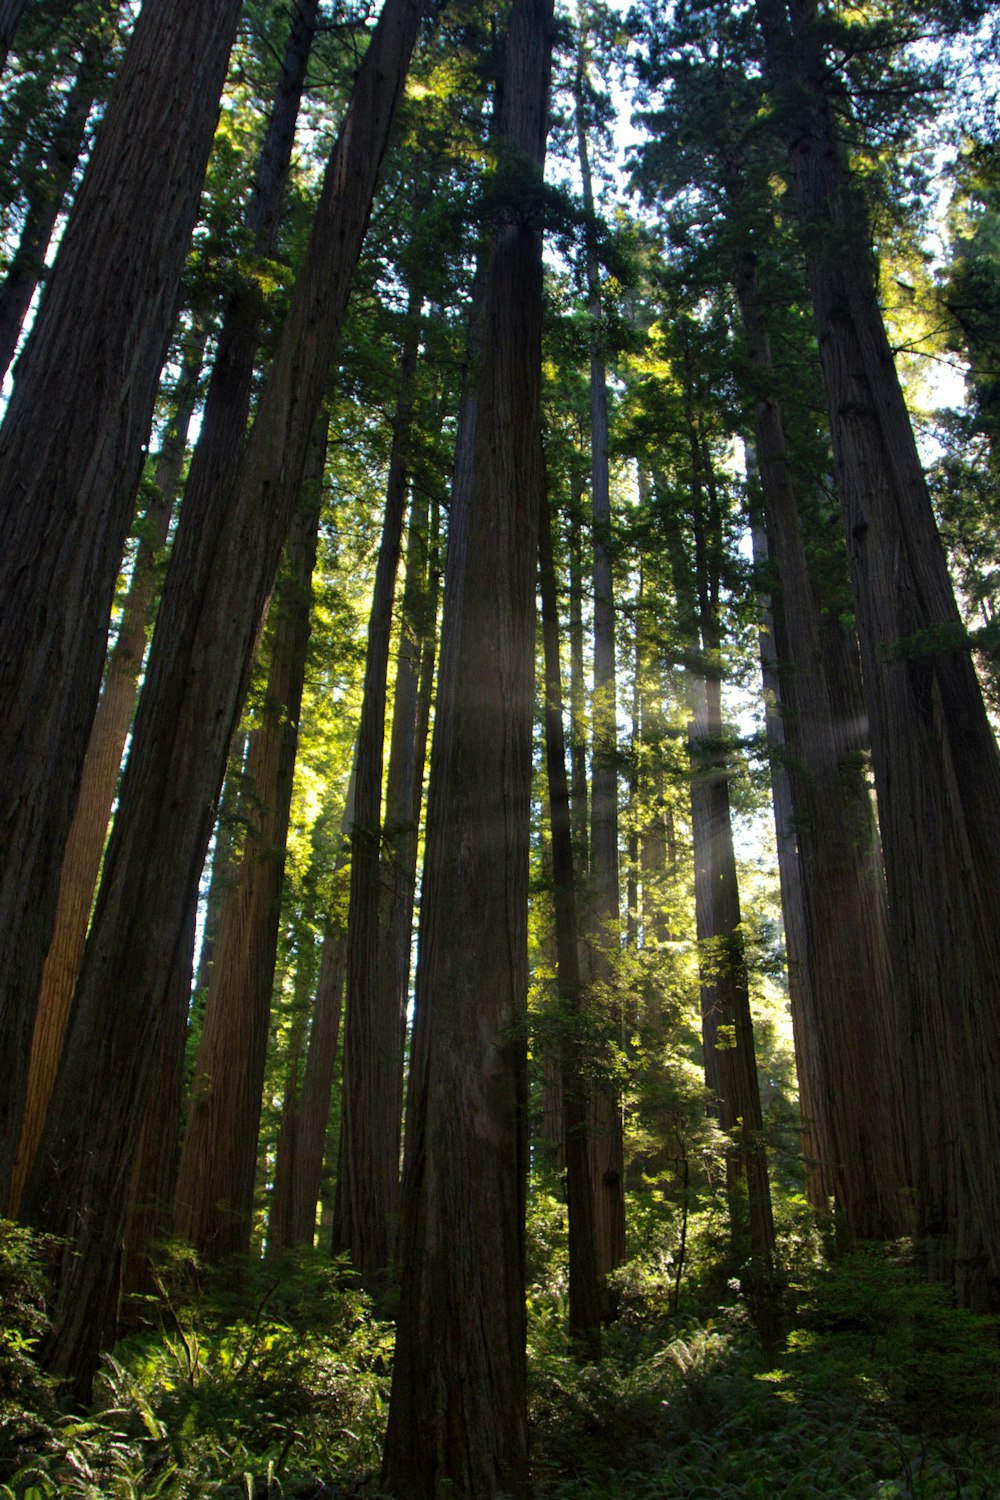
70	455
200	662
457	1416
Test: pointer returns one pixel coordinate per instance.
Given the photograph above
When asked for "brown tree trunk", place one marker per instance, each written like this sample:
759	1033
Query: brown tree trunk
607	1166
937	771
280	1230
579	778
150	1214
101	768
365	1208
585	1301
854	1022
213	1205
816	1153
727	1027
405	783
70	454
200	664
300	1166
457	1416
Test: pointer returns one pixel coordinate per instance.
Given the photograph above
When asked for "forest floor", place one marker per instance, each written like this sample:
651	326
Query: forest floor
279	1387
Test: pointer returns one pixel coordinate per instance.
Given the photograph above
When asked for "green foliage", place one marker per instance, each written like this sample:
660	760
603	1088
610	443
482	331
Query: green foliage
275	1390
26	1409
883	1390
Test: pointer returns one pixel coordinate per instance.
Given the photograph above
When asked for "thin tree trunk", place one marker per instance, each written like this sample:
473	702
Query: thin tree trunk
70	455
584	1281
405	785
300	1167
457	1416
280	1230
365	1208
101	769
199	667
579	779
213	1205
607	1165
937	771
855	1016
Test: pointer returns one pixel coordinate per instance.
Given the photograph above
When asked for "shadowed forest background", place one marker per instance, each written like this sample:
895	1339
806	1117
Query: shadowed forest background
499	797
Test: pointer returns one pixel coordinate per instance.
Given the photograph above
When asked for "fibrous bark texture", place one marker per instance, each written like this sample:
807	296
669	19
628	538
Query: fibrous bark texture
937	771
70	454
101	767
854	1024
458	1410
199	667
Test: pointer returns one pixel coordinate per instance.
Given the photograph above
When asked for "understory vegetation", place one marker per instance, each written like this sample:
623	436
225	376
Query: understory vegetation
274	1381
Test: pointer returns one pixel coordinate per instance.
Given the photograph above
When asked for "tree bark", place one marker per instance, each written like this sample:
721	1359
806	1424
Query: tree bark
365	1208
937	771
855	1014
607	1164
585	1301
101	769
199	667
150	1214
457	1416
816	1152
213	1205
70	453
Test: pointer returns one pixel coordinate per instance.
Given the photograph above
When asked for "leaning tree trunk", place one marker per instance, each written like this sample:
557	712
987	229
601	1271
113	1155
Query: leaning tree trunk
213	1204
855	1015
70	455
937	771
457	1417
365	1207
101	769
200	662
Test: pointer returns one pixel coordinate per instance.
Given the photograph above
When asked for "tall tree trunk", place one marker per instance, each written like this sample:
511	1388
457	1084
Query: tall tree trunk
280	1228
70	455
585	1301
607	1164
300	1166
405	784
213	1205
817	1154
200	663
727	1027
579	779
365	1208
48	193
937	771
101	769
855	1012
458	1415
150	1215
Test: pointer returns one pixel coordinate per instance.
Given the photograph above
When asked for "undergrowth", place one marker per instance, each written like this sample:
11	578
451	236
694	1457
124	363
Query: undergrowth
277	1385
